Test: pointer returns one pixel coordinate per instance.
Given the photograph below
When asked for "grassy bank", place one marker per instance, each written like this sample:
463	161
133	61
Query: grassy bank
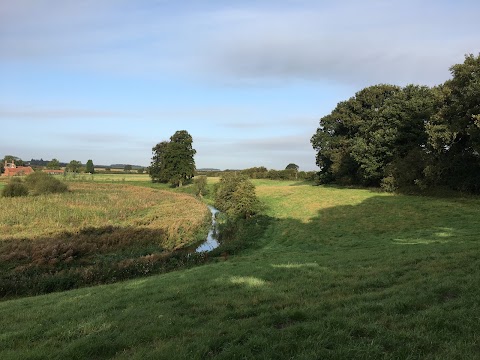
95	233
335	273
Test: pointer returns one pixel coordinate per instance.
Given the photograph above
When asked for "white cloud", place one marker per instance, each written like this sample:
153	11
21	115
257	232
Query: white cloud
346	41
217	45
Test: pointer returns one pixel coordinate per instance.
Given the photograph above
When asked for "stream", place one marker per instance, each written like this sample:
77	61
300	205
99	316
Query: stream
211	242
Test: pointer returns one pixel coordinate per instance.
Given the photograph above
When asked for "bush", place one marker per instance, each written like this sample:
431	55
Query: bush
15	188
388	184
235	195
200	185
41	183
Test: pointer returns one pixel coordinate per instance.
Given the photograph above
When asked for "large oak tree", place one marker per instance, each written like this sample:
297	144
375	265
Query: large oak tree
173	161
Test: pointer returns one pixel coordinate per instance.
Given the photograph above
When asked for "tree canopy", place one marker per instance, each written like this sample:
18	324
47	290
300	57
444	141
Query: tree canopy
10	158
89	167
74	166
53	164
410	136
173	161
235	196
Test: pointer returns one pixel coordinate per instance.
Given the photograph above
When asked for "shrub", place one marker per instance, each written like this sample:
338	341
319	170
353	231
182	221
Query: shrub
15	188
388	184
40	183
235	195
200	185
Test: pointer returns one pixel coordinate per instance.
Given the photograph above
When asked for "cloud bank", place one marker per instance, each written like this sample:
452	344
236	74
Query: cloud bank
243	70
345	41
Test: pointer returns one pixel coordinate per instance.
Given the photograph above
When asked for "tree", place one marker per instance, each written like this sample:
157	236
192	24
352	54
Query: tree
454	132
90	168
403	137
408	112
10	158
180	160
127	168
74	166
158	167
292	166
235	196
352	141
173	161
15	159
53	164
200	185
259	172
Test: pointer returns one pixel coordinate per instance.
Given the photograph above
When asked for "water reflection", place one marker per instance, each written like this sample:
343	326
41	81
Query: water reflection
211	242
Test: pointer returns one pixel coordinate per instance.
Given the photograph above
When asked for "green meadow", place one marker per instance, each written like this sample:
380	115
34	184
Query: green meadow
329	273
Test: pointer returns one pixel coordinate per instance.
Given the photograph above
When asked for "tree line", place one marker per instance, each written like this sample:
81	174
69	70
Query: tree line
412	137
261	172
74	166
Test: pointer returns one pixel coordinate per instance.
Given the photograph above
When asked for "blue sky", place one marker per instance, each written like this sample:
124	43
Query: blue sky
108	79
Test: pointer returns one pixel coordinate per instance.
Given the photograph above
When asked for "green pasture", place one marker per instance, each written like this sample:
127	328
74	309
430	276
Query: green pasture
108	177
332	274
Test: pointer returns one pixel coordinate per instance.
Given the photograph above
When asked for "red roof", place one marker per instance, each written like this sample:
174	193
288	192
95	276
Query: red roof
19	170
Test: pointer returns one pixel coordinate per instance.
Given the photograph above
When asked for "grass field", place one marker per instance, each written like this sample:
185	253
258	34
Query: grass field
335	274
112	177
95	231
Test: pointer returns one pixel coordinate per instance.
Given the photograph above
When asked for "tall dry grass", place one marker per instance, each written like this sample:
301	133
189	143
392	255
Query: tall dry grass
95	205
93	234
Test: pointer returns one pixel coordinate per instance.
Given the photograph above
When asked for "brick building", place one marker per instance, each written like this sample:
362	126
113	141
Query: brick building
13	170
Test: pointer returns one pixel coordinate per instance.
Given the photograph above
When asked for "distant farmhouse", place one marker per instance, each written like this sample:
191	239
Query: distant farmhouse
13	170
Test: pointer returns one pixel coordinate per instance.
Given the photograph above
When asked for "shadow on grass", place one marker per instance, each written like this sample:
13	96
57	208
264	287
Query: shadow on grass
87	257
359	278
433	192
388	224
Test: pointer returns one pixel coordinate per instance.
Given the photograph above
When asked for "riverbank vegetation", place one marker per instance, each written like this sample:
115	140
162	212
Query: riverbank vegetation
93	234
235	196
327	272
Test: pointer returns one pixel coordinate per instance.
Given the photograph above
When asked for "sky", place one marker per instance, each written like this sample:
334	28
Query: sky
249	80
